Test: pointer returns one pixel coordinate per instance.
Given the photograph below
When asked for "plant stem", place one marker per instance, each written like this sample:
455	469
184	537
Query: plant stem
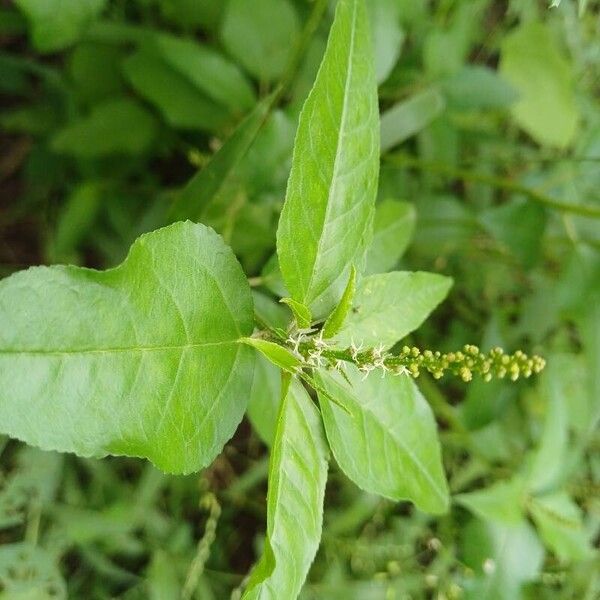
403	160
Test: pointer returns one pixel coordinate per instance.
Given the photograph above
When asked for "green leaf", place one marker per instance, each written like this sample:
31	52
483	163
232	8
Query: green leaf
56	24
405	119
477	87
265	398
389	306
120	126
297	477
392	231
503	502
28	572
208	70
532	63
326	222
336	319
504	557
269	313
178	99
559	522
141	360
278	355
301	312
261	35
388	442
206	186
386	33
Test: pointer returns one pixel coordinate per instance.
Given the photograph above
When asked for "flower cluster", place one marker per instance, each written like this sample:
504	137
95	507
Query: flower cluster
315	351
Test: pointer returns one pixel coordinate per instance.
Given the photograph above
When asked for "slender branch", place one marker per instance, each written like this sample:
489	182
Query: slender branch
497	182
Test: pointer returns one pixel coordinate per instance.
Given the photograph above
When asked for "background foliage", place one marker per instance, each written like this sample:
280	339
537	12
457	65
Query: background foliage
489	173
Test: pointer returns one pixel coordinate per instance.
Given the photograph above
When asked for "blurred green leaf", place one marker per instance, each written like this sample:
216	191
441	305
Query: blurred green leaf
502	502
178	99
28	572
387	35
206	186
477	87
533	64
325	225
559	521
504	557
56	24
261	35
408	117
120	126
393	228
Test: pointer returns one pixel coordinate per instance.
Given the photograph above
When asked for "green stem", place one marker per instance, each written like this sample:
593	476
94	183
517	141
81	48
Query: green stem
402	160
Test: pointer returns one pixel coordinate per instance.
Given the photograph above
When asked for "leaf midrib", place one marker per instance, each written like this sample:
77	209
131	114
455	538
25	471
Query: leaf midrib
343	119
180	347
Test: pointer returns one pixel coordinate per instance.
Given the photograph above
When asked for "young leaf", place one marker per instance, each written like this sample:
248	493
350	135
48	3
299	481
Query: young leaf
392	231
141	360
277	354
336	319
301	312
297	477
391	305
208	183
388	444
326	222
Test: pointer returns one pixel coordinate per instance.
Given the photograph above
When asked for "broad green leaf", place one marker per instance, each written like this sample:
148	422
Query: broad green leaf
261	35
265	398
478	87
207	70
301	312
405	119
205	187
388	443
560	525
297	476
28	572
504	557
178	99
120	126
336	319
386	33
503	502
391	305
326	222
141	360
278	355
392	231
56	24
532	63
